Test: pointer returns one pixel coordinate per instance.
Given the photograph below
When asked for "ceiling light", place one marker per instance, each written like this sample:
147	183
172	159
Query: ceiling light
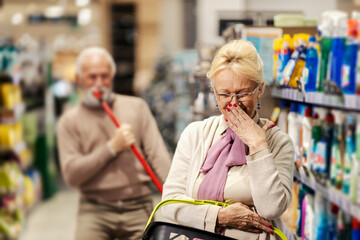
84	16
17	18
54	11
82	3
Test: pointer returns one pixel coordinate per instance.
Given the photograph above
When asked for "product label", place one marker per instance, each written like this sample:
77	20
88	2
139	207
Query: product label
319	157
347	173
335	155
345	75
305	75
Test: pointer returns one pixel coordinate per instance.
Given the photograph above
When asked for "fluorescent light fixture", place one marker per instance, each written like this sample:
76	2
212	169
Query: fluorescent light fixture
84	16
82	3
54	11
17	18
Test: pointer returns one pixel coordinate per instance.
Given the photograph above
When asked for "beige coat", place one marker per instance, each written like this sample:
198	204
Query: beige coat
268	175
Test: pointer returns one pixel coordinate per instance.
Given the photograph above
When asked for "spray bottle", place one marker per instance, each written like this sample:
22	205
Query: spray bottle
348	71
289	67
325	30
337	46
285	53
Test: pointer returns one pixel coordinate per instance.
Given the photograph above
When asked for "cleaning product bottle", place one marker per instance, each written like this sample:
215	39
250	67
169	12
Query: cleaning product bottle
315	138
348	71
321	217
289	67
311	66
355	164
336	157
350	149
292	123
356	15
300	63
306	131
328	136
357	155
333	216
355	229
285	54
282	119
337	46
325	30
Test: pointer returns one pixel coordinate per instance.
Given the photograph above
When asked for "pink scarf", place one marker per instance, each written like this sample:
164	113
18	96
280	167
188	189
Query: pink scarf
228	151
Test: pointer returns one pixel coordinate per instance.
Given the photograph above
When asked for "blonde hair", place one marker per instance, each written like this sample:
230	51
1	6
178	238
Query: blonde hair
240	56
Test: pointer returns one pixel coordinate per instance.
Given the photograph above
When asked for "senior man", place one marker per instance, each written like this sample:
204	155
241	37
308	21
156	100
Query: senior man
95	157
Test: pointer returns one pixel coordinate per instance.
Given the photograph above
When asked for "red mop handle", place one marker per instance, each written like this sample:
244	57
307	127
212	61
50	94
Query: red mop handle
149	171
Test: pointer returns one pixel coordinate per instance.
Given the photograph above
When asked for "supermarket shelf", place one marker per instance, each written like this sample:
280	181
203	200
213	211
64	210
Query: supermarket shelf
345	102
332	194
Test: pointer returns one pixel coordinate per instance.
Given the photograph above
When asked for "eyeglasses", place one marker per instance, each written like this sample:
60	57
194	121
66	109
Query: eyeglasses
227	97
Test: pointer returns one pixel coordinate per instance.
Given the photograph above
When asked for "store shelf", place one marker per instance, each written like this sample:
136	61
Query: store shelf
332	194
345	102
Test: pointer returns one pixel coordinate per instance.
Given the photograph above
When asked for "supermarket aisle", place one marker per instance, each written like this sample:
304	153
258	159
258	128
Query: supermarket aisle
55	219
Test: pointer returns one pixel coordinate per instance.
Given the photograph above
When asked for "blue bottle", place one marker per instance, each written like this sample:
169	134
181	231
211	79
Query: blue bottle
337	47
348	71
310	71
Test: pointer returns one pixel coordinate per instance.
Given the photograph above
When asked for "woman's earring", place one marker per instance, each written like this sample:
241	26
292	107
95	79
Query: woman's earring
258	107
217	107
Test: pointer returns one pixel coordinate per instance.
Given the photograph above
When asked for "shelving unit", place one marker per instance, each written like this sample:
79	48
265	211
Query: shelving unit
345	102
329	192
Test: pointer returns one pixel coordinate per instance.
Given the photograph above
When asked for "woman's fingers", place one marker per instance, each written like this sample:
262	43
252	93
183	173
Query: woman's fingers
268	126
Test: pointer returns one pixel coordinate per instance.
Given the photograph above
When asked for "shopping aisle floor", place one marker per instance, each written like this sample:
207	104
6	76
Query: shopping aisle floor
55	219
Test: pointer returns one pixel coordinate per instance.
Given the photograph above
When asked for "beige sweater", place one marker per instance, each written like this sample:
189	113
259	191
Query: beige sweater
265	182
88	163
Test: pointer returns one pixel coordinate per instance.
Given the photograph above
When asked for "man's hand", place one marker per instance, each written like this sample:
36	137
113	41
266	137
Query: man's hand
123	138
240	216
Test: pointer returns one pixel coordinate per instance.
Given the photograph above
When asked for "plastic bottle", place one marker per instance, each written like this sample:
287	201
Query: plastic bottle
289	67
337	46
325	30
315	138
349	153
335	148
357	154
334	210
328	131
306	136
355	229
311	66
292	123
285	53
355	163
348	71
321	218
282	121
300	63
356	15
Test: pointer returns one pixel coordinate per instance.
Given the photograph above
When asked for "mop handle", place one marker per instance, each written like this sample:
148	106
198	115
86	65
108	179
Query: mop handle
108	110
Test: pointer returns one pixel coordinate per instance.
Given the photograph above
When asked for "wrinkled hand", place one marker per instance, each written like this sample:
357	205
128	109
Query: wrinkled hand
248	130
123	138
240	216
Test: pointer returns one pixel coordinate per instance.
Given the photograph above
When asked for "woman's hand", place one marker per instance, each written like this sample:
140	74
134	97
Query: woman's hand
247	130
240	216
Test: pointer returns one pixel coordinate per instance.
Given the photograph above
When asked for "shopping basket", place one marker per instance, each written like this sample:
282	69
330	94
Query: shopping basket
169	231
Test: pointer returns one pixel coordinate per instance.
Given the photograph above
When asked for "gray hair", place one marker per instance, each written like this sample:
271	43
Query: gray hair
94	51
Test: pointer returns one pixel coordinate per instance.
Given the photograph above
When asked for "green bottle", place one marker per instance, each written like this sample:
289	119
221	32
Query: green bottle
325	50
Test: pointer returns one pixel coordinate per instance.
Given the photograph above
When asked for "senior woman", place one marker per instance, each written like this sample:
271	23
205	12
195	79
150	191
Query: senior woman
236	157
